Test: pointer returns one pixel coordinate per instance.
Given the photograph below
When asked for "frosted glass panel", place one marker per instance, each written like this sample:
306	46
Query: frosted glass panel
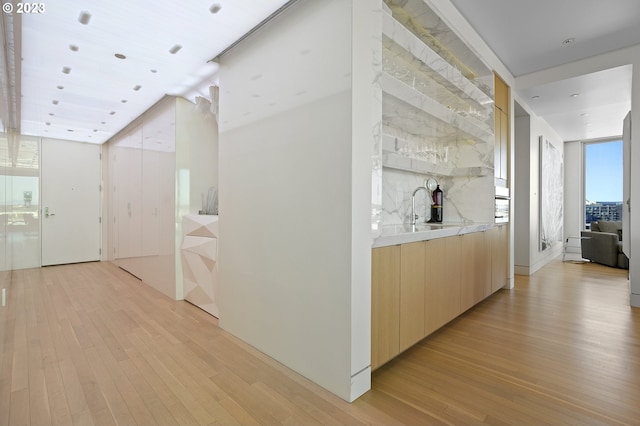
19	202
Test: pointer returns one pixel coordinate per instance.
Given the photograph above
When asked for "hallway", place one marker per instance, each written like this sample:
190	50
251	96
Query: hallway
89	344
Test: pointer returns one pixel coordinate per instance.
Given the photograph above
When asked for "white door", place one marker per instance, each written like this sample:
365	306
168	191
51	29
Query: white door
70	191
626	185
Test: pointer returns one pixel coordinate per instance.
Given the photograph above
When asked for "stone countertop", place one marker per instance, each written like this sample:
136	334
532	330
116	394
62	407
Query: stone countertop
403	233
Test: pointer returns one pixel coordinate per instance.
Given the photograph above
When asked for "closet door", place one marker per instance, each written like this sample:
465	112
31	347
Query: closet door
128	195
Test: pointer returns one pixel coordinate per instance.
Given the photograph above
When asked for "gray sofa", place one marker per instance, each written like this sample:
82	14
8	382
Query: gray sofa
603	244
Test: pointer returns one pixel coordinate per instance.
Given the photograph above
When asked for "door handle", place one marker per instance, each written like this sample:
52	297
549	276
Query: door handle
46	212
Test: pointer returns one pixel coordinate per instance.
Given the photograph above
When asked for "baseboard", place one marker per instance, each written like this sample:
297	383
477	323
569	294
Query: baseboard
360	383
635	300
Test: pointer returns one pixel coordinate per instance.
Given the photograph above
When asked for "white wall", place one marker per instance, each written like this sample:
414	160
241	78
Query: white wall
527	256
634	217
295	193
521	194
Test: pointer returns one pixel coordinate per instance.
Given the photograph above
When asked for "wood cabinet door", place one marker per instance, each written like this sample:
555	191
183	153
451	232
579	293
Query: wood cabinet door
501	116
499	257
501	148
504	144
475	260
412	281
385	304
442	285
501	95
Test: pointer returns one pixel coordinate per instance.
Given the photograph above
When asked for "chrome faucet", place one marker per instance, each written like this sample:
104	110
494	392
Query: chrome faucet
414	216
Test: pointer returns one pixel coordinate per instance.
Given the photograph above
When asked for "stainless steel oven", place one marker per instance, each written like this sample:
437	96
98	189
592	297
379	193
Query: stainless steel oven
502	202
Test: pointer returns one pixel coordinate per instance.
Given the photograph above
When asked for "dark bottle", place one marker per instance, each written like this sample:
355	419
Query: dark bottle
436	207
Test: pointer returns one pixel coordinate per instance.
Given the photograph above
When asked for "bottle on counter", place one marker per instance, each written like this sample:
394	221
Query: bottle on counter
436	207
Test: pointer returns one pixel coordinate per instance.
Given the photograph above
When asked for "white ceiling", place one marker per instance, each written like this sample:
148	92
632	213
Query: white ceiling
73	85
528	36
99	94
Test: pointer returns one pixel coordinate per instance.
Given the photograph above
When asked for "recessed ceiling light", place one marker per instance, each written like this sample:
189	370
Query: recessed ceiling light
69	130
47	123
568	40
103	122
66	70
584	114
154	71
124	101
51	114
112	113
215	8
84	17
74	48
175	49
59	87
137	87
575	95
535	97
95	130
120	56
55	102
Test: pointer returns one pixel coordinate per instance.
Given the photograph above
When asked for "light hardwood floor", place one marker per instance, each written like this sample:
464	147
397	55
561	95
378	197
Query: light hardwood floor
89	344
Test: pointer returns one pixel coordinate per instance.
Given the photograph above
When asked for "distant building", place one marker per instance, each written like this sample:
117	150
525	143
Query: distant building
603	210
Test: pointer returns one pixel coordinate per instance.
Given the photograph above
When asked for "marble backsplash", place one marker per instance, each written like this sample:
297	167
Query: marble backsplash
466	199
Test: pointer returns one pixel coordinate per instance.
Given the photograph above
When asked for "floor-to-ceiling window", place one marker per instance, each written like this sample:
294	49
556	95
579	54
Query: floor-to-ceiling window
19	201
603	181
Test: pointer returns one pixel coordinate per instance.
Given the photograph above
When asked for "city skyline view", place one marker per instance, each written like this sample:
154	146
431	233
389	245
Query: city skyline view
603	172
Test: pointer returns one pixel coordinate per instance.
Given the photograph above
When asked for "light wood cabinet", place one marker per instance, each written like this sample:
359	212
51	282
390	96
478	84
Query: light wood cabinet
475	262
442	285
499	257
385	304
501	94
412	286
502	119
501	144
416	288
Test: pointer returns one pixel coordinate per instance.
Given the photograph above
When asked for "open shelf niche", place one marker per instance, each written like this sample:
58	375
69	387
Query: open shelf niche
437	115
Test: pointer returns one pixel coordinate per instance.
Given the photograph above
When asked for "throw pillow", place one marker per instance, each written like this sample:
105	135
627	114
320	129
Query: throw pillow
595	227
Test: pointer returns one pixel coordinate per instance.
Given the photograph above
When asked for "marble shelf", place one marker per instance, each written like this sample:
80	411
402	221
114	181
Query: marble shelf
408	95
437	120
402	42
393	159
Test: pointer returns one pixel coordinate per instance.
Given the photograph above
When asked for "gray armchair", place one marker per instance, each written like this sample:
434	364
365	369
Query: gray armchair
603	244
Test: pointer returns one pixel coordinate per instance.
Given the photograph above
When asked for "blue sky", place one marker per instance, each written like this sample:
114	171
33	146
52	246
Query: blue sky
603	171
